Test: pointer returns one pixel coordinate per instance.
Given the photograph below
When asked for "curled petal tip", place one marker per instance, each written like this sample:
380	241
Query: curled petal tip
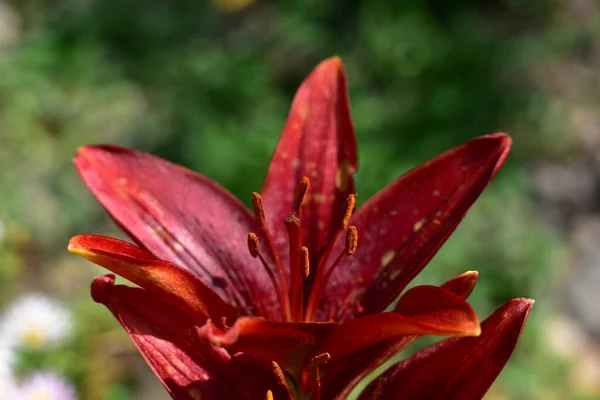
100	288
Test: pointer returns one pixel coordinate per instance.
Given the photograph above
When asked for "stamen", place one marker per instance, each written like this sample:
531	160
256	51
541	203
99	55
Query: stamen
305	261
259	211
280	378
293	226
319	360
259	216
351	240
301	193
253	244
320	285
347	211
269	395
345	218
315	363
254	248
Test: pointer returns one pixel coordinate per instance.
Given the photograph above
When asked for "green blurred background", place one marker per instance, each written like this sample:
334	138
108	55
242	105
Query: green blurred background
208	85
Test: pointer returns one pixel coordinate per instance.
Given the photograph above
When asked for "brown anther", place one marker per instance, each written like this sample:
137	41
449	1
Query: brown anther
301	192
351	240
279	376
348	209
292	219
319	360
304	261
253	244
259	211
269	395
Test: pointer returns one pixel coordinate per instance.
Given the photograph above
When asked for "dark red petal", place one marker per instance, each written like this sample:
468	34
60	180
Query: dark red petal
161	278
288	344
317	142
403	226
423	303
166	338
181	217
462	285
457	368
423	310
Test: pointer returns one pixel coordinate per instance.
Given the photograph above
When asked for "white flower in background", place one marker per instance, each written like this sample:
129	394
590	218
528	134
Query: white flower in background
8	388
7	383
45	386
7	358
36	321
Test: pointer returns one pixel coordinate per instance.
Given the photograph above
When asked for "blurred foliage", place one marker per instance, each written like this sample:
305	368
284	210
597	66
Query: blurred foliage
209	88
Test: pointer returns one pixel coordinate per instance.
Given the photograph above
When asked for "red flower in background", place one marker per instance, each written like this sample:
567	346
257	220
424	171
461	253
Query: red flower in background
285	302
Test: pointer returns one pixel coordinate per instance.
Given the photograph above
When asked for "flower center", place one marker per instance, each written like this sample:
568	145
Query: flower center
296	305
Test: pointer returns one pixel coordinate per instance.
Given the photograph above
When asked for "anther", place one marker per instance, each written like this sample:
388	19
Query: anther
269	395
292	219
259	211
280	378
319	360
304	261
253	244
348	210
351	240
301	193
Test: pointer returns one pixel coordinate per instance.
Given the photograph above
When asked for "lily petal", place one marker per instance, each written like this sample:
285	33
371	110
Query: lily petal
165	337
176	285
184	218
457	368
422	310
288	344
403	226
317	142
342	378
463	284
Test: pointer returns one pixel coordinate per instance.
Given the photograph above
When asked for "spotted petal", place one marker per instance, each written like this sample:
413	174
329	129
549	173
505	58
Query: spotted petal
402	227
184	218
317	142
457	368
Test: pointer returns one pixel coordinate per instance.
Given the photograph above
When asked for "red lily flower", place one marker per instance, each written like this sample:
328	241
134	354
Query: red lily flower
283	302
